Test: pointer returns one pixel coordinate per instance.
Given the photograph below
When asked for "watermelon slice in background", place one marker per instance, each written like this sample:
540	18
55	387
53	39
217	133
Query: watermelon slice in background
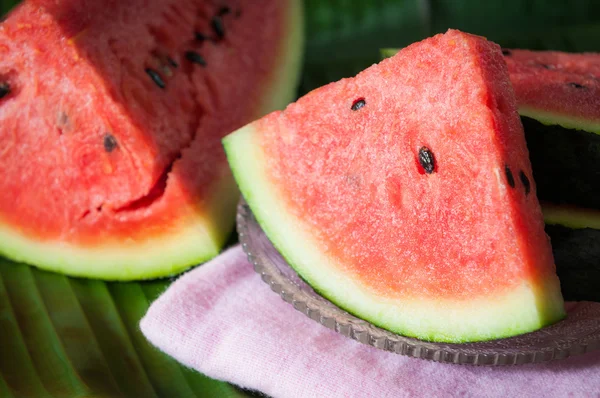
397	195
67	337
111	115
559	103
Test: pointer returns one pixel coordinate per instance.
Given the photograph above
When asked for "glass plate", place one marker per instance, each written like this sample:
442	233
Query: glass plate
577	334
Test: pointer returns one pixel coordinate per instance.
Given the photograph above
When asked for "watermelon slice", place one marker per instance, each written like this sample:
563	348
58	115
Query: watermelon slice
558	96
557	88
112	114
559	101
397	195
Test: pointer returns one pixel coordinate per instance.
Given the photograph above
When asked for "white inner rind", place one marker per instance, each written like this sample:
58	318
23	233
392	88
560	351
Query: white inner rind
198	238
571	216
201	232
569	122
521	309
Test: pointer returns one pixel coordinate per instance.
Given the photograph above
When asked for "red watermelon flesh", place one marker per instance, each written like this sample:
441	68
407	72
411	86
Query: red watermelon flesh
343	183
557	87
111	122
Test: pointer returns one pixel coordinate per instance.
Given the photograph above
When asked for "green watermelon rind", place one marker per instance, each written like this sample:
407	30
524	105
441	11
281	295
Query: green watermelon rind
519	311
198	240
200	235
571	216
565	121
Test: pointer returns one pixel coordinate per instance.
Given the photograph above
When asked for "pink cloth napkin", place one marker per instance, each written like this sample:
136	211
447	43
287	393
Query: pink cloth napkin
223	321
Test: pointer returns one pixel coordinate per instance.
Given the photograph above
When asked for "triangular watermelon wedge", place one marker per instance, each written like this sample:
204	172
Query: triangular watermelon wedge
111	119
404	195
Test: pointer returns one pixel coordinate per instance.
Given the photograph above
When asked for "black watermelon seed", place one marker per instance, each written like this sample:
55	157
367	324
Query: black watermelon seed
110	142
546	66
217	26
426	160
506	52
224	11
172	62
357	104
509	176
238	13
575	85
200	36
525	182
155	77
195	58
4	89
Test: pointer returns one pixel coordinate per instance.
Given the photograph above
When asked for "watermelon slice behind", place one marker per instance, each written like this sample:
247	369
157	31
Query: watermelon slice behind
111	119
559	101
396	195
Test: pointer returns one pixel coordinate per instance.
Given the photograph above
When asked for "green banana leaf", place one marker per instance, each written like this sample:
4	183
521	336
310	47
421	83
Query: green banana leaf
344	36
66	337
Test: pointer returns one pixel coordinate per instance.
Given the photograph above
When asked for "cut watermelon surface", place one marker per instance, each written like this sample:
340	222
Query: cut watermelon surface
559	99
558	96
397	195
557	87
111	119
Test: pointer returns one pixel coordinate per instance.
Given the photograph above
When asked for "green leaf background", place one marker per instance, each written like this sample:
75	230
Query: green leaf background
344	36
65	337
